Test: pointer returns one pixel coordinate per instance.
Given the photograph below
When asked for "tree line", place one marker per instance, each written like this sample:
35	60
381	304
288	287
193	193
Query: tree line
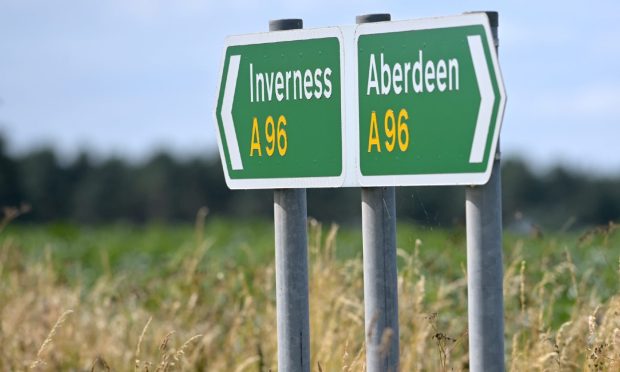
170	190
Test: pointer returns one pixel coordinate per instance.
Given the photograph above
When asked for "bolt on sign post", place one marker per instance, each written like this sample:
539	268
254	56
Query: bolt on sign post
431	100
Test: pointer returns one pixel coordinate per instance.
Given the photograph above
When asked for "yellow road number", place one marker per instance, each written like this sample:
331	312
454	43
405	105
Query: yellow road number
395	129
275	137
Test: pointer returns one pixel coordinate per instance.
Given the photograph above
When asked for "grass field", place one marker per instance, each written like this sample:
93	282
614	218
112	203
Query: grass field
202	297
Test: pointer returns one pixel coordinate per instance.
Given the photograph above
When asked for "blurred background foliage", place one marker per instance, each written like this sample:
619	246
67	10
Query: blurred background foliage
166	189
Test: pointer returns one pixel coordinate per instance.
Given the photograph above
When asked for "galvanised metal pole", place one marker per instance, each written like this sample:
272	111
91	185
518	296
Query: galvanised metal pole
290	220
380	272
483	208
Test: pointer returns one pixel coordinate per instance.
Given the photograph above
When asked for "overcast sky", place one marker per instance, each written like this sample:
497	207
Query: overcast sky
125	77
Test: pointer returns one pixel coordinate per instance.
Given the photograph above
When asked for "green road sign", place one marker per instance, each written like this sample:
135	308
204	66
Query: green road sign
279	110
431	101
424	105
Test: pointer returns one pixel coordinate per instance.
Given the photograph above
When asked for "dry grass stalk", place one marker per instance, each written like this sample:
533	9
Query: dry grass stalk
615	341
514	353
139	344
573	273
179	353
419	294
48	340
99	364
246	363
163	346
11	213
386	339
199	224
522	288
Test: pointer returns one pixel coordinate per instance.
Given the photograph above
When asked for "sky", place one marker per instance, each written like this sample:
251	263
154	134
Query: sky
130	77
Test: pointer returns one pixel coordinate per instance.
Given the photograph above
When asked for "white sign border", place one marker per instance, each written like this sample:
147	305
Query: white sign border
289	182
433	179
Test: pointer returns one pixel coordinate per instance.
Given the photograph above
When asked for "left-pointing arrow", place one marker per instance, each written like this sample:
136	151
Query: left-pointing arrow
227	118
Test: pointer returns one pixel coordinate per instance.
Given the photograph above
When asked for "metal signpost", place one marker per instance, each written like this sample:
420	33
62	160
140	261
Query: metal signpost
483	208
292	303
424	106
380	271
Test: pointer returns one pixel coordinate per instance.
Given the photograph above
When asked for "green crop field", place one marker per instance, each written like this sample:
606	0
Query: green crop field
162	297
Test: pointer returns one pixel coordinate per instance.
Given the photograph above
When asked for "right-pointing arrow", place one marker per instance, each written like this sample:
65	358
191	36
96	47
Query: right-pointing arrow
227	119
487	98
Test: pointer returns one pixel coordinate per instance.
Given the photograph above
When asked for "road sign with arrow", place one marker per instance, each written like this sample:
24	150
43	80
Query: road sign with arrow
424	105
279	109
431	101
